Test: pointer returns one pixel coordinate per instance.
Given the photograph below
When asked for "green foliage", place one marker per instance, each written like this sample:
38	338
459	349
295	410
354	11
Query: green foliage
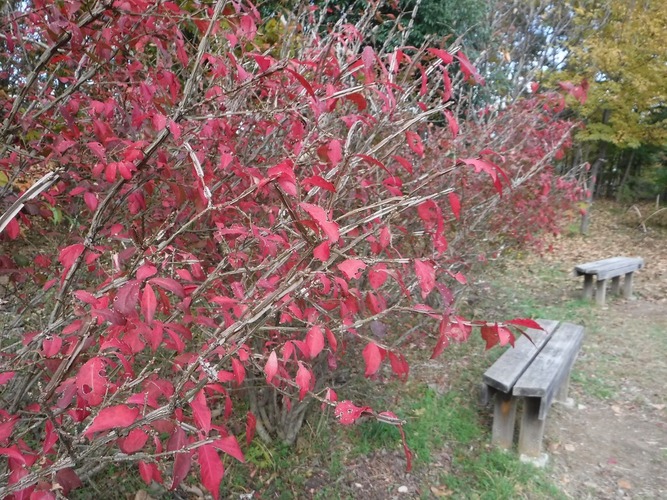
458	18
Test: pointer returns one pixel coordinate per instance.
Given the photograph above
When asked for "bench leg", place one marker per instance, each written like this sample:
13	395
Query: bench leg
588	286
532	428
504	415
600	292
627	286
615	285
561	395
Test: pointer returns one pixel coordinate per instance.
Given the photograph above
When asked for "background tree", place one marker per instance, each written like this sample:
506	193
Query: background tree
616	51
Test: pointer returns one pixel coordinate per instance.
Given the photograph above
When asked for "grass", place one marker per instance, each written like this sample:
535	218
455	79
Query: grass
593	385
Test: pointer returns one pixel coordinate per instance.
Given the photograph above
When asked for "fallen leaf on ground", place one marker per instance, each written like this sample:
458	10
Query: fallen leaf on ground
624	484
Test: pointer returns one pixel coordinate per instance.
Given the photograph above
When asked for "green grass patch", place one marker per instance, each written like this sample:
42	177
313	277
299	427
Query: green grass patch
494	474
593	385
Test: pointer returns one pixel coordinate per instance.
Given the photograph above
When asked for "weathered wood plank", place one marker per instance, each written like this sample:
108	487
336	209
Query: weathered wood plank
551	367
510	366
610	268
590	267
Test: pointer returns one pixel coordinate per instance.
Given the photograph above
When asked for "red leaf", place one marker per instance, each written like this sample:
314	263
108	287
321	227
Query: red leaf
159	121
443	338
13	230
408	453
146	271
351	268
491	335
322	251
490	168
348	413
526	322
149	472
239	371
271	367
399	365
211	469
455	204
373	161
69	254
97	149
331	338
505	336
315	341
334	152
303	82
183	460
13	453
458	277
133	442
6	429
230	446
201	412
110	171
148	304
444	56
415	143
68	479
111	417
443	342
320	182
127	298
377	276
373	358
250	426
91	200
368	58
170	285
91	385
451	121
468	69
51	346
322	219
6	377
303	378
426	276
358	99
404	163
447	95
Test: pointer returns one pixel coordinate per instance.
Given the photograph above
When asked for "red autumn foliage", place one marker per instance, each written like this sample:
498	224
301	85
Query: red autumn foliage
230	205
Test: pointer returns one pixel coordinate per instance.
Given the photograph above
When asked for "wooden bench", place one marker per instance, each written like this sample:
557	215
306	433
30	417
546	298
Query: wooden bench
612	268
538	372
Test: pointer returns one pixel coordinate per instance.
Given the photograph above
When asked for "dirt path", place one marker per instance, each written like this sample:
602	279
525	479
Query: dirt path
613	444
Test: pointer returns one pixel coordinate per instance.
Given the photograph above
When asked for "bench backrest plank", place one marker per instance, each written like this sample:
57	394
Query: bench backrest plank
504	373
548	370
610	268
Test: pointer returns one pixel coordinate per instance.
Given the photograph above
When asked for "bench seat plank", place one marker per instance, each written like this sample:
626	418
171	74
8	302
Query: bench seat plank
548	371
504	373
610	268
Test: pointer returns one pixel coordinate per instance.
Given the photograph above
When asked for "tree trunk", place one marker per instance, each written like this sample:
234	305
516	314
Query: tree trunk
626	175
595	169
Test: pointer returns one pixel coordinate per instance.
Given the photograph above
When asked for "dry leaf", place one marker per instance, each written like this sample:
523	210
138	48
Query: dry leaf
441	493
624	484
